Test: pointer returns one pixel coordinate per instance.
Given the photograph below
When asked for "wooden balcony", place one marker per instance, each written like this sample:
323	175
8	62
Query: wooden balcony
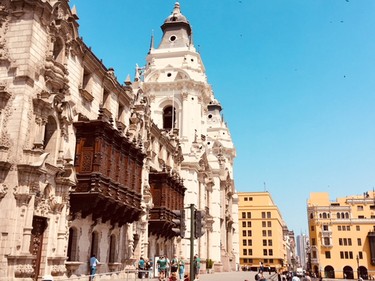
109	169
168	194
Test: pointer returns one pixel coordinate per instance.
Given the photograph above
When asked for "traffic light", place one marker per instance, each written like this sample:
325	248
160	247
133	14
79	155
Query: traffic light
200	223
179	222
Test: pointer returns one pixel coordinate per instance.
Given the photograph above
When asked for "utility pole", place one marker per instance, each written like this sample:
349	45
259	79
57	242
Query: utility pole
192	231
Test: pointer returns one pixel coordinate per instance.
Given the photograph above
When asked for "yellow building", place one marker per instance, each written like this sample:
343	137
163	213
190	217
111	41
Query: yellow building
342	235
261	231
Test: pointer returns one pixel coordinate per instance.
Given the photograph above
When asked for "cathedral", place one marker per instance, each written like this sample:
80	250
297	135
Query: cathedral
91	166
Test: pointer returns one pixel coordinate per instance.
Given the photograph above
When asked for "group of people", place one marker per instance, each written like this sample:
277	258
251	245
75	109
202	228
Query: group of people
170	270
144	268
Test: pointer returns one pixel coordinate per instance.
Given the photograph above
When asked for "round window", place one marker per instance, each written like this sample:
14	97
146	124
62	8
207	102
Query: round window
172	38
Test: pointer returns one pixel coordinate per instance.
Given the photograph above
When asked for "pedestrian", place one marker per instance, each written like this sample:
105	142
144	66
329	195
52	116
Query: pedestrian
295	277
181	268
162	267
174	264
197	266
93	264
186	277
141	268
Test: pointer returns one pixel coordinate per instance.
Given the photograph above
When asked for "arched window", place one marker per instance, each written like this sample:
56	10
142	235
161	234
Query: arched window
50	139
346	215
169	118
311	216
72	245
324	215
338	215
94	244
112	249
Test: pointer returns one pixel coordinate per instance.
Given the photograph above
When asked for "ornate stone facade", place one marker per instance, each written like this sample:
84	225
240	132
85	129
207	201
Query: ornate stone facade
87	165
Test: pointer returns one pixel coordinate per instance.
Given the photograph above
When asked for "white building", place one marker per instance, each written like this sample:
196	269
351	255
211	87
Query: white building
182	100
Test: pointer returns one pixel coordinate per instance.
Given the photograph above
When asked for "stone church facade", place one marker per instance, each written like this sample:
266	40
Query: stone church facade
92	166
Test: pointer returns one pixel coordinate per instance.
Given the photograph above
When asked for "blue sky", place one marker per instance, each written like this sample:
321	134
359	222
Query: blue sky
296	79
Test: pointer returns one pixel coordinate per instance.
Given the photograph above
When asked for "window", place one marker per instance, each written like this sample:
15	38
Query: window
345	242
312	228
346	254
249	224
243	232
360	255
169	118
358	228
339	227
351	255
340	241
313	242
72	245
250	252
243	215
359	208
250	198
269	223
244	252
249	233
349	241
263	224
341	255
269	232
270	252
263	215
269	242
250	242
325	227
359	241
264	252
361	217
314	255
243	224
326	241
244	242
246	198
268	215
94	244
264	233
112	249
328	254
348	228
264	242
249	215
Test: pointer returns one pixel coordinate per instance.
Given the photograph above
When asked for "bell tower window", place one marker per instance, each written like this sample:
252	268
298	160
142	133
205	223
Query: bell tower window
169	118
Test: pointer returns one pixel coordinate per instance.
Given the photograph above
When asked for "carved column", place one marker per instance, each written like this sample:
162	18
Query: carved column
23	200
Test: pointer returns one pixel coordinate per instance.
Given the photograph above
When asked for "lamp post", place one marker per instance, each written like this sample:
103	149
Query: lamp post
358	275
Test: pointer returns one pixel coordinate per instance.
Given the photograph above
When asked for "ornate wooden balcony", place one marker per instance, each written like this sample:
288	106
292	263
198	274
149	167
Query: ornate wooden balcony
168	192
109	169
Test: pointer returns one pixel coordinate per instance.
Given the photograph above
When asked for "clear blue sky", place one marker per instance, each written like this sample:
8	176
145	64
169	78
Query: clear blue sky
296	79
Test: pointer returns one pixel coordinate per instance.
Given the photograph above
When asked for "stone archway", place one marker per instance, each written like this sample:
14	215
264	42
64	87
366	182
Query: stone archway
329	272
348	272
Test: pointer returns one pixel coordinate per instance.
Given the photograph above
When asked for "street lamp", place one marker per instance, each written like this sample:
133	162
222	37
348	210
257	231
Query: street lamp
357	258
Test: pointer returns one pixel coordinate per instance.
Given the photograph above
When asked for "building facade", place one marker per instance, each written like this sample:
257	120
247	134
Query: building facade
263	239
87	168
342	235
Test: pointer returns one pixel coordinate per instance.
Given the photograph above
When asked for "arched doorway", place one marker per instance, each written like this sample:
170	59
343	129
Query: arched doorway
316	270
329	272
348	272
362	271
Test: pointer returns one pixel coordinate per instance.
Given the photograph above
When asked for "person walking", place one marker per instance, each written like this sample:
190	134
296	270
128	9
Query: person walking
162	267
197	267
93	264
174	264
141	268
181	268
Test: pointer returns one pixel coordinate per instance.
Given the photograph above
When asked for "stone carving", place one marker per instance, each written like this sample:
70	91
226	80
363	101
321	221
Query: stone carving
3	191
58	269
24	270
